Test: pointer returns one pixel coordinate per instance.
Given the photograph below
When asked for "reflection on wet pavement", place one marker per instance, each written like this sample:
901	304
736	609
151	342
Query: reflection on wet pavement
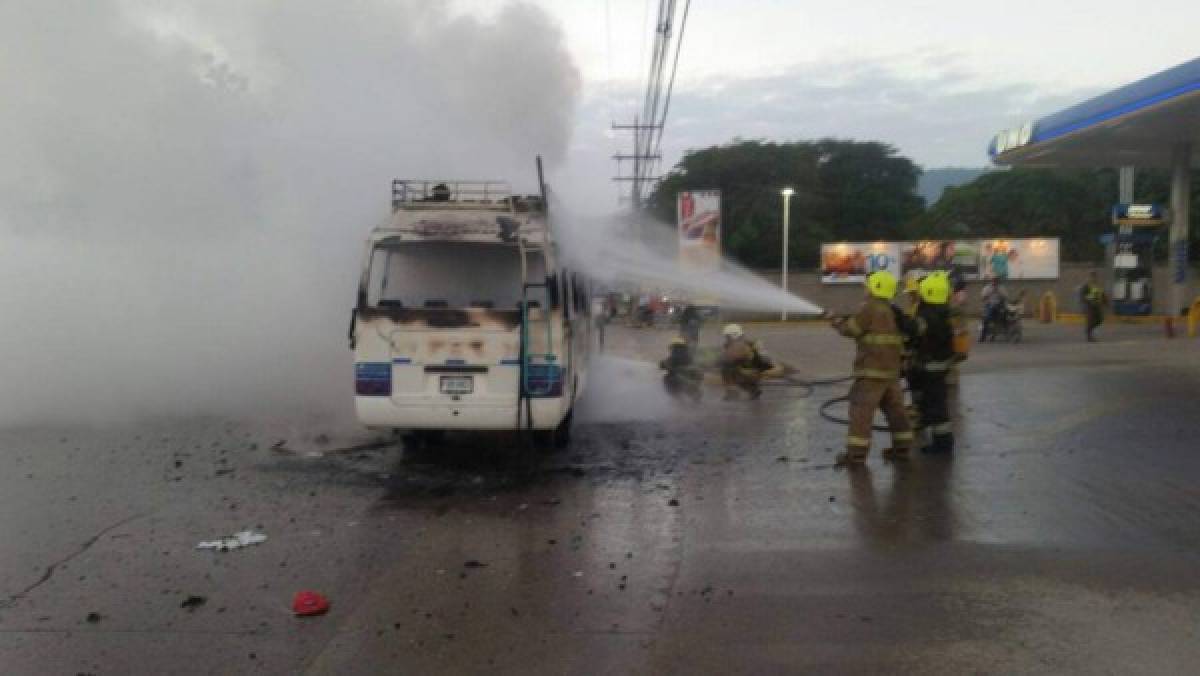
1063	535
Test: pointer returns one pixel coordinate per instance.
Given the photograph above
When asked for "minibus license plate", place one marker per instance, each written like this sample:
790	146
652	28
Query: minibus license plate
457	384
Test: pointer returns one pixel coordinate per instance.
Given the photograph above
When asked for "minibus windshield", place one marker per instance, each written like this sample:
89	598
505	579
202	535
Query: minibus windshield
438	275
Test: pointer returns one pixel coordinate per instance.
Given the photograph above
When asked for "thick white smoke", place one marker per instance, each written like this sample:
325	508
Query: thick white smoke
185	187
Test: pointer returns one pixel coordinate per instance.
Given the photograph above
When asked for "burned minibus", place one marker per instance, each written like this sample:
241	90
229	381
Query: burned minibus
466	317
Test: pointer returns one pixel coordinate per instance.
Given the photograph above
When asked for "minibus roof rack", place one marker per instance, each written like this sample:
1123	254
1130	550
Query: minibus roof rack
408	194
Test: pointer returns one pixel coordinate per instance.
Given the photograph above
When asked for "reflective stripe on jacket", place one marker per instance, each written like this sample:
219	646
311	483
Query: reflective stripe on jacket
879	340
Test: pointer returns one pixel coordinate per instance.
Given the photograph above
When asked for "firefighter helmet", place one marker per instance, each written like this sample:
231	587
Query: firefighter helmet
733	331
935	289
882	284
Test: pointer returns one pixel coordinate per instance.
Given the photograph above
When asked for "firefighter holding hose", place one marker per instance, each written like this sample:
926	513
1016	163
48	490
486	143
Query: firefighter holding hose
932	361
877	362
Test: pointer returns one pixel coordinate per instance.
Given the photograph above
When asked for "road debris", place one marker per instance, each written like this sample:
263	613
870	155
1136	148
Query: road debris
474	564
93	618
236	541
193	602
309	603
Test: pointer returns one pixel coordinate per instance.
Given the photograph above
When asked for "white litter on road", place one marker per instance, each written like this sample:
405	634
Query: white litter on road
236	541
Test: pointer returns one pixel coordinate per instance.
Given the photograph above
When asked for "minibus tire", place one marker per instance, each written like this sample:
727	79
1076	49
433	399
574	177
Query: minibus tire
557	438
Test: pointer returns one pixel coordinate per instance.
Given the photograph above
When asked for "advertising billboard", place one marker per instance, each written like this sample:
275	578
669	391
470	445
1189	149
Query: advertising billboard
698	218
958	256
846	262
1019	258
968	259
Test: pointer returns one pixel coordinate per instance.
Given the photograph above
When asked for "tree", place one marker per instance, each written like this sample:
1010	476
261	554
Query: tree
844	190
1073	205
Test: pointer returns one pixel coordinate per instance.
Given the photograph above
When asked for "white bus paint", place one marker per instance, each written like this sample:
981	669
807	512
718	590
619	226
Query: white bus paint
466	318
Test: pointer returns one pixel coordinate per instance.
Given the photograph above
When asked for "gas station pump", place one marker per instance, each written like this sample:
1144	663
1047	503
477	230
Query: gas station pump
1130	251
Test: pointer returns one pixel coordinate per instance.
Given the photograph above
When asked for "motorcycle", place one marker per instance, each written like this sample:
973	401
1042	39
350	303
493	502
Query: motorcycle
1003	321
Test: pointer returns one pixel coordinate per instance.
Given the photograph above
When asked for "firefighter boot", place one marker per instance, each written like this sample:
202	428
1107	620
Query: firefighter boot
894	453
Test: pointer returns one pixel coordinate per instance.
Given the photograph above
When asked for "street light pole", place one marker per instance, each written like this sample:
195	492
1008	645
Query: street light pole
787	198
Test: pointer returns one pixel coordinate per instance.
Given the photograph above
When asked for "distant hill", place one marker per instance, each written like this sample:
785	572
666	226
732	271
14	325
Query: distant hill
935	181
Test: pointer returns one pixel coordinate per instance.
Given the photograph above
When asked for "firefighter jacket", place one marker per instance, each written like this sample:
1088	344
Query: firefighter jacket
738	352
679	363
880	342
935	342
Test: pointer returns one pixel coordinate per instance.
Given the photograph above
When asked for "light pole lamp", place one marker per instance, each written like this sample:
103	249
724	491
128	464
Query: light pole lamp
787	199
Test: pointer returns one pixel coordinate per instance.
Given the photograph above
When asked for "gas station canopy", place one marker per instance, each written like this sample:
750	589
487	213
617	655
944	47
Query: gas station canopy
1151	123
1140	124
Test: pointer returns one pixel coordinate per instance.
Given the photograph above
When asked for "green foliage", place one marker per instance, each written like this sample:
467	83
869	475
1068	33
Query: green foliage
845	190
865	191
1073	205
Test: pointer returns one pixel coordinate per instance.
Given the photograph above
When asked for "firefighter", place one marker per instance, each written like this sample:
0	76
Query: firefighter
690	322
912	294
741	364
907	326
877	366
933	359
682	378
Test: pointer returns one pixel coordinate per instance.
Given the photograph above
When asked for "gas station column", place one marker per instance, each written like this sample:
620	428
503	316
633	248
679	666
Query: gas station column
1181	192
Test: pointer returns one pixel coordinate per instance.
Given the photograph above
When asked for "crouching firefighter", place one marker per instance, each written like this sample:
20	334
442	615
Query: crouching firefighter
742	364
932	361
877	364
682	378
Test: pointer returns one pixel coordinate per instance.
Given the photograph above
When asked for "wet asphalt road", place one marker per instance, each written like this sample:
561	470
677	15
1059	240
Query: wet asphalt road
1064	536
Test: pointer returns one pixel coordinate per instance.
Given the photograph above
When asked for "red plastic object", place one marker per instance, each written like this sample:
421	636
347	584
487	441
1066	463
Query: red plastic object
309	603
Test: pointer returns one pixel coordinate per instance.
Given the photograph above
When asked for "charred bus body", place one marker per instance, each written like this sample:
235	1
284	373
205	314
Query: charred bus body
466	318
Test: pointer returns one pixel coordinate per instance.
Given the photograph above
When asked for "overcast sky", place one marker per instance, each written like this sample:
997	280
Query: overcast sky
936	78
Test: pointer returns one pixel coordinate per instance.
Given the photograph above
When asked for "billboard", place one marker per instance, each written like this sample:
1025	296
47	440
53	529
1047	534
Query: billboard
1019	258
845	262
1030	258
698	217
958	256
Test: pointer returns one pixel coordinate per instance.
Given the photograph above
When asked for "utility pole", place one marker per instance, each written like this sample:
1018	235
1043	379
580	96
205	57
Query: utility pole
660	82
642	158
787	200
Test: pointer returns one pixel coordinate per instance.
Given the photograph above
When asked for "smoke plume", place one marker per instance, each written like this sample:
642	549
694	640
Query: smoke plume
186	187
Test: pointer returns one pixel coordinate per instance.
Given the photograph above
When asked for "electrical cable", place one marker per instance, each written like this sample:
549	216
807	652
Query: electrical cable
674	69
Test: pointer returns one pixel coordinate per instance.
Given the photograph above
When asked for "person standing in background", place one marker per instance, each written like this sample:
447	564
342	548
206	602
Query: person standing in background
999	264
1094	299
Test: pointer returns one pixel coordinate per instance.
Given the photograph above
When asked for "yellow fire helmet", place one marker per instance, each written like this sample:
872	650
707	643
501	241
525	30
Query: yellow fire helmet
882	284
935	289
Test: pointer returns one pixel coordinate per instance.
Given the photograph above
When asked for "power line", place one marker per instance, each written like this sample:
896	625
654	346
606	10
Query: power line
647	129
674	69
